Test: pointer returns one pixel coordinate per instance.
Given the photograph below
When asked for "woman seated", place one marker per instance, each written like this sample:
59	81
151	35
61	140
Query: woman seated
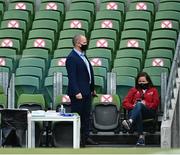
141	103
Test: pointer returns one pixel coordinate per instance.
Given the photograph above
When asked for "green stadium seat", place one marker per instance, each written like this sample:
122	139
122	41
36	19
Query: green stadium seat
155	71
33	62
130	53
29	1
8	53
166	24
2	7
7	63
125	71
62	53
103	43
129	62
137	24
161	1
11	43
26	6
46	24
58	62
99	84
114	15
104	33
40	43
70	33
143	6
108	24
174	6
16	24
65	43
89	1
26	85
160	53
58	69
100	53
3	101
77	24
30	71
158	62
168	15
123	84
164	34
48	15
36	53
112	5
106	113
163	44
133	44
100	71
100	62
120	1
156	80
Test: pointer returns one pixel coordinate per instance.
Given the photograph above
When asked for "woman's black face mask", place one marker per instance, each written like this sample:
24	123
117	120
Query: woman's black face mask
143	85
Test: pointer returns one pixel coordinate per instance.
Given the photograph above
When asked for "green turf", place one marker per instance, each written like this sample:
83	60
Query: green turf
90	150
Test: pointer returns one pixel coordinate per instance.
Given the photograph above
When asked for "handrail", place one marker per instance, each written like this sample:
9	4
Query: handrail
172	81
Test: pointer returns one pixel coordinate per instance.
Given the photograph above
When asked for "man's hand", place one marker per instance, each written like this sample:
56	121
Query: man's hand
79	96
94	94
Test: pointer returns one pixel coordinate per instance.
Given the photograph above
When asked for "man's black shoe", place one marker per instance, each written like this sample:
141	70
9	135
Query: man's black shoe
91	142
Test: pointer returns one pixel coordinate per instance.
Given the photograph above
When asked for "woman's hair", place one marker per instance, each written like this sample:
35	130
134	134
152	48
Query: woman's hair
143	74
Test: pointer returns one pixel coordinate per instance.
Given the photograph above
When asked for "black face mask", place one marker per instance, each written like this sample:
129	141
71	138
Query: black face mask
84	47
143	85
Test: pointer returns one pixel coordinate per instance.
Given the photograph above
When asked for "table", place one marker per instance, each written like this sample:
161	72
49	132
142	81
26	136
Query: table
52	116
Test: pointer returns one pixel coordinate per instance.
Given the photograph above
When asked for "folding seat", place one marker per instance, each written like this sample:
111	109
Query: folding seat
173	6
33	102
133	44
106	113
3	101
164	34
167	15
156	80
2	7
43	34
7	63
166	24
18	15
29	1
103	43
33	62
108	24
163	44
8	53
59	69
46	24
16	24
11	43
12	33
79	15
114	15
26	85
120	1
129	62
137	24
130	53
139	15
160	53
104	33
99	84
113	5
161	1
143	6
48	15
48	86
155	71
158	62
62	53
149	1
101	72
36	53
39	43
70	33
100	53
123	84
83	6
134	34
100	62
26	6
89	1
65	43
57	6
30	71
125	71
77	24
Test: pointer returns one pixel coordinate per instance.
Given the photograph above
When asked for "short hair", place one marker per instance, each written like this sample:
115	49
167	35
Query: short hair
76	39
144	74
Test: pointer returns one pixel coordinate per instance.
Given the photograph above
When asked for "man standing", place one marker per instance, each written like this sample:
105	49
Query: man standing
81	85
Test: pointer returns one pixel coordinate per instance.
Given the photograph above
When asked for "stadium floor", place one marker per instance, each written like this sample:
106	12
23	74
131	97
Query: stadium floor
89	151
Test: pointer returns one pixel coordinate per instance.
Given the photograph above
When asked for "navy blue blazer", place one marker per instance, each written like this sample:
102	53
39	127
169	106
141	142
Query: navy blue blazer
78	76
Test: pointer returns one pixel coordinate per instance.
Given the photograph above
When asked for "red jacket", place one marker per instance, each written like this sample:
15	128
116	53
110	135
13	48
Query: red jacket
150	97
